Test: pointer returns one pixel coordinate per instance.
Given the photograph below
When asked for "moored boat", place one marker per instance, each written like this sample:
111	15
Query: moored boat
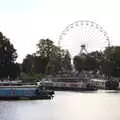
18	90
112	84
70	82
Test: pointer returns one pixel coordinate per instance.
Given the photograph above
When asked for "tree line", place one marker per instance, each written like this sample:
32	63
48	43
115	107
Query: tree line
52	59
48	59
106	62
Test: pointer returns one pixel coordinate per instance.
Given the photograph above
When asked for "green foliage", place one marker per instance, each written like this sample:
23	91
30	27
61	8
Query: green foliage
112	61
49	59
67	61
7	51
107	62
107	67
85	62
27	64
8	56
34	64
45	48
58	59
39	64
78	63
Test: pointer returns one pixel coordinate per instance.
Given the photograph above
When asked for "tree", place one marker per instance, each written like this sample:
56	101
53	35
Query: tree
7	51
14	70
85	62
48	58
57	58
91	63
39	64
112	59
79	63
107	67
8	56
27	64
33	64
45	48
67	61
55	61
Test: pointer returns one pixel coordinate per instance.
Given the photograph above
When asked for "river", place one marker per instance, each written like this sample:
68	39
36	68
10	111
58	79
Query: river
100	105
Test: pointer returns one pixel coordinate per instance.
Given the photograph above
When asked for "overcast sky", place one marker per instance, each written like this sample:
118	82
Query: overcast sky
27	21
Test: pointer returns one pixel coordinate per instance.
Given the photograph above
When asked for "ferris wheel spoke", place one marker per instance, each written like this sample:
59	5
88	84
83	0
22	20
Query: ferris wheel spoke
84	32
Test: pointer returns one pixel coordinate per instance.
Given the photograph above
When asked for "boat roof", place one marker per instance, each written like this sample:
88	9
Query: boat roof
98	80
21	86
8	81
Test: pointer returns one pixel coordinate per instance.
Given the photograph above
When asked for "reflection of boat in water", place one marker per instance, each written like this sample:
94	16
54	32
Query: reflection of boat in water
18	90
71	82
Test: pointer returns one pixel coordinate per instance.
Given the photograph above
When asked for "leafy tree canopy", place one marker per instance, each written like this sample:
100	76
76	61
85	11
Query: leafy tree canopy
8	56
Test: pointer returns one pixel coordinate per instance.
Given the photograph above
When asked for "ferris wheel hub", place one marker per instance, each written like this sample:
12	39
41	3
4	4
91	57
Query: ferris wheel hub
83	46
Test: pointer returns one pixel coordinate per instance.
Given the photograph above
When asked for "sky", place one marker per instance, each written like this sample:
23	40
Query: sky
25	22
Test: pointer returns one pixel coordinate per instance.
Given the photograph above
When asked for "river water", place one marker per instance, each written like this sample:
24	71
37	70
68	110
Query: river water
100	105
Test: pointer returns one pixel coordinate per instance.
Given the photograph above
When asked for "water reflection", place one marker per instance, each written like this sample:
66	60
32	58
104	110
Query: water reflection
102	105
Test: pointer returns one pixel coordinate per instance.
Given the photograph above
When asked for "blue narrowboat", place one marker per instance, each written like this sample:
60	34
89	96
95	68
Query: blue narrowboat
17	90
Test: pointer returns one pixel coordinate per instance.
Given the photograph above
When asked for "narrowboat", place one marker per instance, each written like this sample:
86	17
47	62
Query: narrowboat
18	90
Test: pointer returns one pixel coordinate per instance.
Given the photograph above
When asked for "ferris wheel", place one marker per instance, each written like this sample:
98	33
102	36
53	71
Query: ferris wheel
84	34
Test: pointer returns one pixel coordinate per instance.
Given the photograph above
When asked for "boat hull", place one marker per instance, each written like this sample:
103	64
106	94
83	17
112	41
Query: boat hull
24	98
16	93
71	89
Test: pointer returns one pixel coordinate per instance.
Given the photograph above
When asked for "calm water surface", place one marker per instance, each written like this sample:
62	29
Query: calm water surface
101	105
